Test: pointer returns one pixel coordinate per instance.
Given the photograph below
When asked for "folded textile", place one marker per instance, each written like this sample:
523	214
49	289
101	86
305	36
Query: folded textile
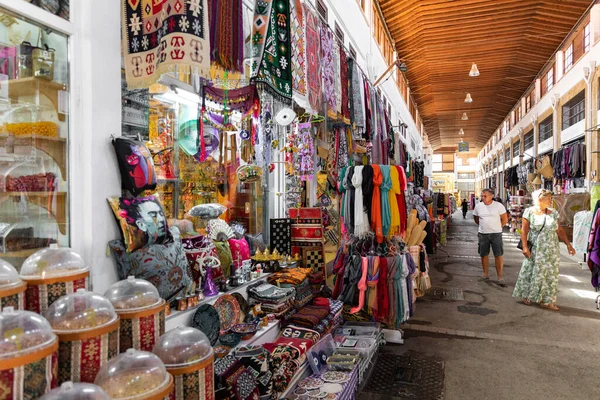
303	294
289	277
309	316
271	292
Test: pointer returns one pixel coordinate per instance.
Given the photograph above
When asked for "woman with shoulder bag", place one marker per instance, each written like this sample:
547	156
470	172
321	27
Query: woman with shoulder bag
538	278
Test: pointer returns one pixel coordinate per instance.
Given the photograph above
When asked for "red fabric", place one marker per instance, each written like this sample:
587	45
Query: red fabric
239	247
376	204
339	280
401	200
382	291
321	302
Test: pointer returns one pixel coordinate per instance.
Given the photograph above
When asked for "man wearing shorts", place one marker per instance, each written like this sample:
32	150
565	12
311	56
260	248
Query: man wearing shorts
491	217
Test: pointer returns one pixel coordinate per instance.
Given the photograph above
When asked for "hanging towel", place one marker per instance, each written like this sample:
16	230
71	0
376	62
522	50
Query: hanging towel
376	204
386	185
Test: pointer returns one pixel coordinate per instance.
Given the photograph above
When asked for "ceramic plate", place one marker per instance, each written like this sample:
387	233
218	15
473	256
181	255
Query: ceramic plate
331	396
207	320
243	307
316	394
311	383
335	376
229	311
332	388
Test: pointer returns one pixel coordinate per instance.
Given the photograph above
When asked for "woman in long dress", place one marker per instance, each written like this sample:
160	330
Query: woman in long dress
538	278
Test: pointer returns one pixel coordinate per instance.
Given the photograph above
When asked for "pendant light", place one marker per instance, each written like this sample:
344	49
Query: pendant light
474	70
465	117
468	99
461	132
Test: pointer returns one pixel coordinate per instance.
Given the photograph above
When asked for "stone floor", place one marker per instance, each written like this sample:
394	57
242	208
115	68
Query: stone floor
493	346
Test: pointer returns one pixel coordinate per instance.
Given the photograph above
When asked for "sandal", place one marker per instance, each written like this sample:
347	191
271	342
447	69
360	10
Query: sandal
550	306
527	302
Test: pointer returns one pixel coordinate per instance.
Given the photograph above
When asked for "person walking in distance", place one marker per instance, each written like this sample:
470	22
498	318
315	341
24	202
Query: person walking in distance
465	207
491	217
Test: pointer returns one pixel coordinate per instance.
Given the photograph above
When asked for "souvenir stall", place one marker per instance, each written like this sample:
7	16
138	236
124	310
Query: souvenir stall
221	253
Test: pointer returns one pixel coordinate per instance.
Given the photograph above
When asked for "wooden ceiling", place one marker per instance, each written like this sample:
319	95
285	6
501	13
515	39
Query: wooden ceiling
509	40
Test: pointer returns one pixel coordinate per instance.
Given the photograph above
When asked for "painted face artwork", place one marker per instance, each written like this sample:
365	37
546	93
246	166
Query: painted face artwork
136	165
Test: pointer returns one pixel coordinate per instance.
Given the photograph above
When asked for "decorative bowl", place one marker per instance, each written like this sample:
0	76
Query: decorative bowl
246	330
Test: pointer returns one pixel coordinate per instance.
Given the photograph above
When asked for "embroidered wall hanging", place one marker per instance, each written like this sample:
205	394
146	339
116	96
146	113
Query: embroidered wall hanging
298	54
313	50
161	33
281	235
328	66
271	48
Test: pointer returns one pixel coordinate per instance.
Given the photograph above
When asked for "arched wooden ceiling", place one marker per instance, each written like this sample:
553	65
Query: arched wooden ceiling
509	40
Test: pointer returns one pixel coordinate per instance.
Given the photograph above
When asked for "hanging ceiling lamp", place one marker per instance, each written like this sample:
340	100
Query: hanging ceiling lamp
468	99
464	116
474	70
461	132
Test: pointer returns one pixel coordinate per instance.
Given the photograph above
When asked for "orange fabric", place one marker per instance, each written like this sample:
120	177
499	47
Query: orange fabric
362	286
376	204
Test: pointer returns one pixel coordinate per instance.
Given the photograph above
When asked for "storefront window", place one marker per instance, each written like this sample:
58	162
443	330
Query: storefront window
33	138
167	118
57	7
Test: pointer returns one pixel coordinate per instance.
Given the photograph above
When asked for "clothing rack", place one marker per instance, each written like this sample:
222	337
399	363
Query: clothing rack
573	142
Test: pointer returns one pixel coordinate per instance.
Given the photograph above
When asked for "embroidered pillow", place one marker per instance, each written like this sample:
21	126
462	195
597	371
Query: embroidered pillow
163	265
239	250
142	221
136	165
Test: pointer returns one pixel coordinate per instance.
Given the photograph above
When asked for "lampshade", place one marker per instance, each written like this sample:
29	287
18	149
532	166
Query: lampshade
464	116
537	180
461	132
468	99
474	70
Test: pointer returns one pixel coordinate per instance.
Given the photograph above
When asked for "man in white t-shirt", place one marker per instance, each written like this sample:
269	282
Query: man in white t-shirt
491	217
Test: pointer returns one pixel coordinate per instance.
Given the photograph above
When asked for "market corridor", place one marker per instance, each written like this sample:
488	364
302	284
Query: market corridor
494	347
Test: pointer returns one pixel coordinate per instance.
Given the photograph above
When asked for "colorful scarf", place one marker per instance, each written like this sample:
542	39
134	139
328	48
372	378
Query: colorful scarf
376	222
360	225
401	200
367	189
393	196
313	50
382	291
155	37
362	285
328	66
386	185
299	84
345	83
272	55
305	166
227	34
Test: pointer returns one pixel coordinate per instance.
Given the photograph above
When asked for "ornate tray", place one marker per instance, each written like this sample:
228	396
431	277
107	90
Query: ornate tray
229	311
207	320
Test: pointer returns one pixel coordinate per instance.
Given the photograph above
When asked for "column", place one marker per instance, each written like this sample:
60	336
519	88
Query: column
556	128
536	139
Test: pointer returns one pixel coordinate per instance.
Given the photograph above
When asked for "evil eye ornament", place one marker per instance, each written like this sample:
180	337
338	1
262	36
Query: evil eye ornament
244	134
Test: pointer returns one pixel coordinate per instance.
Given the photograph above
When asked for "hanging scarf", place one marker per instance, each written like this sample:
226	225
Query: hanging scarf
361	224
342	151
409	283
393	195
367	107
313	49
401	200
372	284
362	285
367	189
386	214
299	54
227	34
376	154
156	38
376	204
345	84
337	78
328	66
349	198
401	298
382	291
342	189
393	264
272	56
357	89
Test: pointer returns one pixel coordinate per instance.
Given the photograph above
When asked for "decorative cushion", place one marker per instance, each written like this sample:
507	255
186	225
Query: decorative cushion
239	250
281	235
163	265
135	164
142	221
207	211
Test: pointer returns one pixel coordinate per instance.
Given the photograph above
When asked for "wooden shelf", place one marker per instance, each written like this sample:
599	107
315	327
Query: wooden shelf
31	86
45	200
55	147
